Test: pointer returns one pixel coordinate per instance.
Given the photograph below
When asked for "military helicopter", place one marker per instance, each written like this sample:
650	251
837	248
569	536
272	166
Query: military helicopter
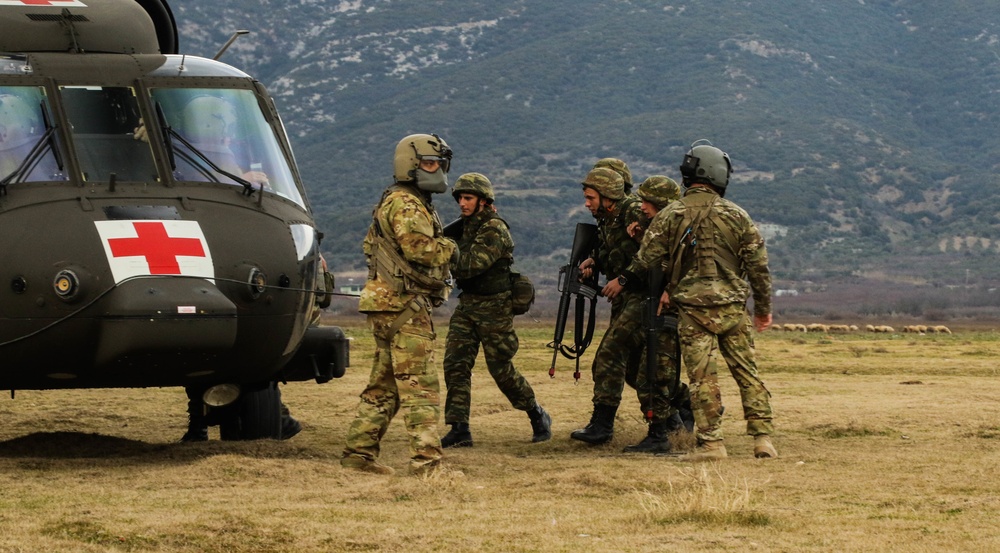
154	229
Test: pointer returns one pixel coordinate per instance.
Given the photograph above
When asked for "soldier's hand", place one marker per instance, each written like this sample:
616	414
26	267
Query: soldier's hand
762	322
139	133
635	230
664	303
612	289
587	268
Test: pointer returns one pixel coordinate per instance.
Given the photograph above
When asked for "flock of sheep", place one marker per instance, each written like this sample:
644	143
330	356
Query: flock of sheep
828	329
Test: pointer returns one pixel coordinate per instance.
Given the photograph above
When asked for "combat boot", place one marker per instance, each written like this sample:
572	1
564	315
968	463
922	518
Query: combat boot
356	462
655	441
763	448
289	427
601	427
458	436
197	430
541	424
707	451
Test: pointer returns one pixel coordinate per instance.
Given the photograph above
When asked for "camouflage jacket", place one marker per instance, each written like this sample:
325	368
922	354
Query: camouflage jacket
615	248
406	219
487	252
707	275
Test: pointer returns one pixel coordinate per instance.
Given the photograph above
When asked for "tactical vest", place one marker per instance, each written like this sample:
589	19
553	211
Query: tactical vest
494	280
385	259
697	248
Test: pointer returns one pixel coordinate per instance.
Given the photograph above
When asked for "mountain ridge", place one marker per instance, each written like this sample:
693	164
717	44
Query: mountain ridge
863	130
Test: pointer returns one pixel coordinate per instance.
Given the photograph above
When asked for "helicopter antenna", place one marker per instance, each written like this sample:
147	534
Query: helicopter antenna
66	19
231	40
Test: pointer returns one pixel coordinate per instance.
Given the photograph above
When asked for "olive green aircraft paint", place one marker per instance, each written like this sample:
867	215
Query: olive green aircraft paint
154	230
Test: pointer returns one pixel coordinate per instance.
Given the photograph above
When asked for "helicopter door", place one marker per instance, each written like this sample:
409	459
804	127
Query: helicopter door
104	121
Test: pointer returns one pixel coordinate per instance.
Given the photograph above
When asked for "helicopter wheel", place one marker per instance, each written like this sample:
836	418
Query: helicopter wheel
256	415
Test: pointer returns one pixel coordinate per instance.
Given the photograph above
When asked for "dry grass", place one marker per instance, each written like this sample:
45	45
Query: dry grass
887	444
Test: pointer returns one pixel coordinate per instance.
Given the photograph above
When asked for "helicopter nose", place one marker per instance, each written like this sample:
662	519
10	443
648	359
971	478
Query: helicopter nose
156	314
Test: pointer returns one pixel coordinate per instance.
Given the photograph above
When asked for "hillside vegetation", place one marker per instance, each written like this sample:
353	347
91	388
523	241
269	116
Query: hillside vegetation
863	133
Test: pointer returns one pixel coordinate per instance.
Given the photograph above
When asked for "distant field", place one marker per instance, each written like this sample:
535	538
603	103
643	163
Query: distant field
888	442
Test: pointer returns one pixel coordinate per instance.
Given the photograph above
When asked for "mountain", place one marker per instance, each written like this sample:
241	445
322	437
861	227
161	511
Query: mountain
863	134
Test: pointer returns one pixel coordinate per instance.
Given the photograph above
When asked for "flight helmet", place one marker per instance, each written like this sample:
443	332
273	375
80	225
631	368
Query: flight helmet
19	123
412	149
707	164
208	121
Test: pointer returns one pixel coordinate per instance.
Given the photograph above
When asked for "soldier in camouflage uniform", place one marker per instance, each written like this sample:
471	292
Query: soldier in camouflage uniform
667	399
711	248
620	349
408	258
484	315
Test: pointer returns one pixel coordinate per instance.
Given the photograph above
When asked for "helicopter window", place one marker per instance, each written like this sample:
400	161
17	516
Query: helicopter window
28	148
103	121
223	134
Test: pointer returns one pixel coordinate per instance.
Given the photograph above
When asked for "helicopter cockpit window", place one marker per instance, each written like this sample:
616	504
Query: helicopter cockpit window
28	147
103	121
221	135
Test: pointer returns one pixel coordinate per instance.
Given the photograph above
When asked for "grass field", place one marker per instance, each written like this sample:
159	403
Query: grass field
887	443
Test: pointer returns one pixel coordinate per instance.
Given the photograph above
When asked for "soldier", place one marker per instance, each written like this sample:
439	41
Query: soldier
711	246
408	258
604	196
484	315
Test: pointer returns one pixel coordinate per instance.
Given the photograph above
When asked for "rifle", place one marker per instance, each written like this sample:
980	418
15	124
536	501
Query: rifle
454	229
571	283
655	324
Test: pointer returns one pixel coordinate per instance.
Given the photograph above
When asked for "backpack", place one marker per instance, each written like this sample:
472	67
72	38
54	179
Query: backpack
522	292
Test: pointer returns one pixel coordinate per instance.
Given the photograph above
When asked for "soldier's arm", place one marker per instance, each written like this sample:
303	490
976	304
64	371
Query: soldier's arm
754	256
488	247
654	248
413	227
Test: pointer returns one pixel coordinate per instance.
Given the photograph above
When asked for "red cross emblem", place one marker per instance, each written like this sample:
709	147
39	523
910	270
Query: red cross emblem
63	3
140	248
160	250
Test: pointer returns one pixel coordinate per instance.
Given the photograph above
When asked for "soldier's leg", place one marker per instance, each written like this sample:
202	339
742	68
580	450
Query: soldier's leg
737	348
461	349
419	390
500	344
706	399
379	400
624	335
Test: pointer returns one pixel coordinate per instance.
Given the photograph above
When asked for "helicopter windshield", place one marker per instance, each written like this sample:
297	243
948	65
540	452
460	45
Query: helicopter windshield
27	142
219	134
103	120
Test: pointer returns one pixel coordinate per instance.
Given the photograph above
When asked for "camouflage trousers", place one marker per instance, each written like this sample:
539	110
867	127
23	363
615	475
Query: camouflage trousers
486	320
402	377
731	326
619	360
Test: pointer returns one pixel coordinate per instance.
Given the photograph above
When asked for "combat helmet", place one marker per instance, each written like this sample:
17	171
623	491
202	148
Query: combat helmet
606	182
705	163
414	148
659	190
474	183
19	124
619	167
208	121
